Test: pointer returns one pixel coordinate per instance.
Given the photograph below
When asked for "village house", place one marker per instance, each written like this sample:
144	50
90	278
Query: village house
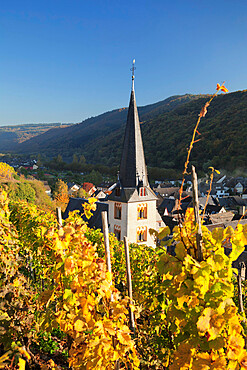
166	191
238	188
72	188
100	195
244	195
47	188
89	187
234	203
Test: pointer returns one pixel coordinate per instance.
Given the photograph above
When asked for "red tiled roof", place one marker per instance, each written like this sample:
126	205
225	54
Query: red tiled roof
87	186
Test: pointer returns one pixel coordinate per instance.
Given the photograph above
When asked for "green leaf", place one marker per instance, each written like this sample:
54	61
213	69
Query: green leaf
164	232
218	234
180	251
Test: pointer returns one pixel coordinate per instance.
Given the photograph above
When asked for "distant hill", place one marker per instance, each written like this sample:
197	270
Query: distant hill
76	138
11	136
167	128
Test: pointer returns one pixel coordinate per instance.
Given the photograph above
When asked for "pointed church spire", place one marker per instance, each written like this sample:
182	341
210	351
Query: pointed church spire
133	74
133	171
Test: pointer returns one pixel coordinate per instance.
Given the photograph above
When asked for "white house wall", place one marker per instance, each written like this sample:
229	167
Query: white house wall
129	221
113	221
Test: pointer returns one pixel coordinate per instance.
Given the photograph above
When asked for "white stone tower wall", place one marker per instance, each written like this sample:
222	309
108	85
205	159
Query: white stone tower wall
149	222
129	221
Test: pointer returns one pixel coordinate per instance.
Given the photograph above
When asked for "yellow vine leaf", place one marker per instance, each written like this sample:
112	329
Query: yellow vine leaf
203	322
183	298
243	360
202	361
4	358
79	325
235	346
124	338
222	88
21	364
92	200
108	326
182	357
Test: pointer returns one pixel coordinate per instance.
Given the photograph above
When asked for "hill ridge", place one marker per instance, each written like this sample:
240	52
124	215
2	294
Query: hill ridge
73	138
167	128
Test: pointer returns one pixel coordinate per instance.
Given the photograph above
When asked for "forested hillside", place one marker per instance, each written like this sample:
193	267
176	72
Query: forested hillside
76	138
167	136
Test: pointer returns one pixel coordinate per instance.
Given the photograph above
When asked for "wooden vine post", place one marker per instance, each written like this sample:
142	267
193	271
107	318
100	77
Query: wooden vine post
197	215
129	283
106	240
241	276
59	217
108	261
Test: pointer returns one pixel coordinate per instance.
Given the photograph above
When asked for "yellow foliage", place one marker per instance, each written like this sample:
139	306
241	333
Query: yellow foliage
85	309
204	319
6	171
23	351
3	359
21	364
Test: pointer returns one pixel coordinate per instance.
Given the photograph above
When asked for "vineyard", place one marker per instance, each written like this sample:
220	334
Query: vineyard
60	308
54	284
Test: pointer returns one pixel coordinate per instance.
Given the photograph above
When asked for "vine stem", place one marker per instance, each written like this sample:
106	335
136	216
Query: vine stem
199	253
201	114
208	193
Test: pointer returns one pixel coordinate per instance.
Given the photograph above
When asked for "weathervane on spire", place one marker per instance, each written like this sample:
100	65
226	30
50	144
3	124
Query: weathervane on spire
133	73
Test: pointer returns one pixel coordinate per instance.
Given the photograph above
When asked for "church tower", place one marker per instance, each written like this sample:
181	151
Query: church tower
132	203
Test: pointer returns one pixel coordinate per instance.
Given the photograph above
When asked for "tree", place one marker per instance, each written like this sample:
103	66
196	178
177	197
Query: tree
60	194
74	165
39	160
82	193
42	198
24	172
75	159
59	158
22	191
6	171
95	177
82	160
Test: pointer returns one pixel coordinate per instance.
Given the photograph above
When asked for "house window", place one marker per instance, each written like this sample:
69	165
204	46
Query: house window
117	231
117	211
117	192
141	234
142	211
142	192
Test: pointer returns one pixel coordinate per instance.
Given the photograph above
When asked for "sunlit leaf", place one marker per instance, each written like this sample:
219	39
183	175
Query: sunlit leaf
21	364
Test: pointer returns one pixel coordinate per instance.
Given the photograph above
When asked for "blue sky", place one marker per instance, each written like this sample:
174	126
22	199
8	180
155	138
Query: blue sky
67	60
